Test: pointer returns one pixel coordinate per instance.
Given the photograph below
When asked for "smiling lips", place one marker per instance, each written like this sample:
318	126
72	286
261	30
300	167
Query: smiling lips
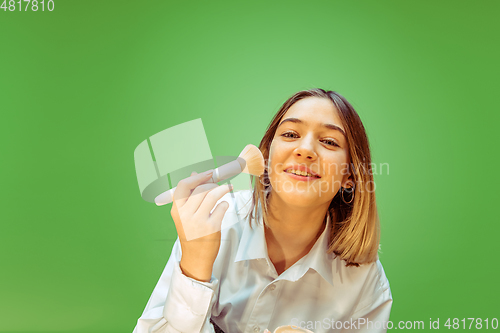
302	173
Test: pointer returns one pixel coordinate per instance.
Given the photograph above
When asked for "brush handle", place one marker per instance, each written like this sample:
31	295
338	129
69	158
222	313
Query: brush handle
221	173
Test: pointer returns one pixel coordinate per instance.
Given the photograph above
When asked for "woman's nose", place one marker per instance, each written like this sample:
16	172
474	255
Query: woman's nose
306	149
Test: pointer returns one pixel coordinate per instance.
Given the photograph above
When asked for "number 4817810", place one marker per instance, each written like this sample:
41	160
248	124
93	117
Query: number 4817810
35	5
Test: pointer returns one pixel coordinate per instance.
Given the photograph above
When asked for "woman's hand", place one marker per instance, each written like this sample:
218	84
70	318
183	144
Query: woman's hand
198	230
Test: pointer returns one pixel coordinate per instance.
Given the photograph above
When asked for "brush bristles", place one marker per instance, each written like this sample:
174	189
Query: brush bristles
253	159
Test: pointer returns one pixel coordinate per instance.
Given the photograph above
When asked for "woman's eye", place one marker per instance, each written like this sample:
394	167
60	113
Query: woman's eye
331	143
289	135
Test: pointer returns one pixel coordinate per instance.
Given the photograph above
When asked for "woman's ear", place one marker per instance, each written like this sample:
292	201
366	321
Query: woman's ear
347	179
349	182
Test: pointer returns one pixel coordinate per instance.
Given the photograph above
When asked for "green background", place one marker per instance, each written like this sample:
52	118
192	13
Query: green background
83	85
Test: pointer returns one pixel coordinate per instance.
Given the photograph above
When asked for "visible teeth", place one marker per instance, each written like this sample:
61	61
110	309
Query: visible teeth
300	173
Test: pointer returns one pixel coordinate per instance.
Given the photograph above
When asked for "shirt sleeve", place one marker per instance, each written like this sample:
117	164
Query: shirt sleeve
373	318
373	314
178	303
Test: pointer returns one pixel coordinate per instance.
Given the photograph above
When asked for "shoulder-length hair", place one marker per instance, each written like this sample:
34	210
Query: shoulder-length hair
355	227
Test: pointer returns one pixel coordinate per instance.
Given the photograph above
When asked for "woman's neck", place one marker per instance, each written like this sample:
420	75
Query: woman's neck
292	232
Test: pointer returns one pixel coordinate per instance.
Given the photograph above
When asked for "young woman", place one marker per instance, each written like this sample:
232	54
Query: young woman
300	249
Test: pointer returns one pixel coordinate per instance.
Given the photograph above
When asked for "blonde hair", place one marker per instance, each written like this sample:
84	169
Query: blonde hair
355	231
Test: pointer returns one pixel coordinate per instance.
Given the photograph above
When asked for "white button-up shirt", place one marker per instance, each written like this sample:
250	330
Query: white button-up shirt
247	295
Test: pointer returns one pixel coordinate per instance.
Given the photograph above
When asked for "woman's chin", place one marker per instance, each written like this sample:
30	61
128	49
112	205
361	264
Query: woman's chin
297	198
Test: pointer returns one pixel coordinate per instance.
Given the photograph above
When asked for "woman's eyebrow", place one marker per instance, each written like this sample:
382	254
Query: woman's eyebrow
298	121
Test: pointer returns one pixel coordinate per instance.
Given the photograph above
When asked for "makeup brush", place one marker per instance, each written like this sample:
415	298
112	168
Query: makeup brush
249	161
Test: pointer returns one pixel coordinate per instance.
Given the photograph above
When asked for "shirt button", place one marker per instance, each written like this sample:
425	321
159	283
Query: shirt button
256	328
272	287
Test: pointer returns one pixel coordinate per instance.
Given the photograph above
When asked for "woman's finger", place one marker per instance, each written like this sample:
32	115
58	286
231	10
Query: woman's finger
197	196
218	214
211	199
187	185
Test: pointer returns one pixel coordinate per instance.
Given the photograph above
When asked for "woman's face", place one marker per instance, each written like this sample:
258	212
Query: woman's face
308	158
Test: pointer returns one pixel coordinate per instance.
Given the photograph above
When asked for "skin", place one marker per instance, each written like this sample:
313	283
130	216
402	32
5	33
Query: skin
198	229
299	207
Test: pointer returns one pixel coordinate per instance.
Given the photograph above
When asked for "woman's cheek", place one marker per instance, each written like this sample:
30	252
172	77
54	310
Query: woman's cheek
275	160
333	177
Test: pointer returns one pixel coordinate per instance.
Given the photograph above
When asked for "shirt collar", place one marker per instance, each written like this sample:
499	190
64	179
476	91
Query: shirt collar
253	246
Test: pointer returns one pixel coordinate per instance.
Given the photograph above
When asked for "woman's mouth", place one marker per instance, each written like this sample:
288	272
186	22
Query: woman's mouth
301	175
